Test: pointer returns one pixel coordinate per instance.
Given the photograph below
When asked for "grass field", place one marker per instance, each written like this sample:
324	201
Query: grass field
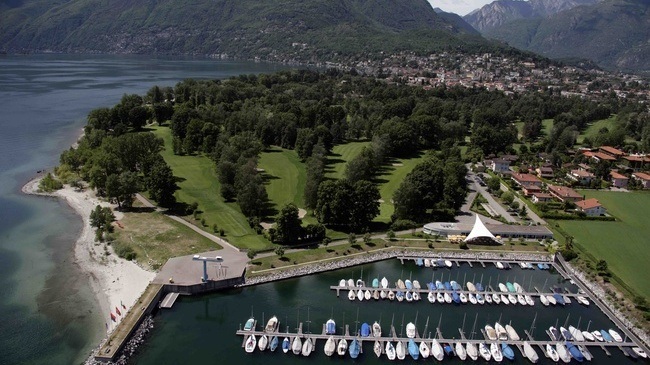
623	244
199	184
285	174
592	130
547	124
340	156
156	238
390	179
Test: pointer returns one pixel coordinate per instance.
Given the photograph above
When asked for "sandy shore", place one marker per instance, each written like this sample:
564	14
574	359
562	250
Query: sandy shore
114	281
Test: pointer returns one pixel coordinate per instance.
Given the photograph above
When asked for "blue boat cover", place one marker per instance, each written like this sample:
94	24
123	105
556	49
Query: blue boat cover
365	330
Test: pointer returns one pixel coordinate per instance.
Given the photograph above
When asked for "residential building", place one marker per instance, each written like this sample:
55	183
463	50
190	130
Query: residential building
614	152
591	207
643	178
524	180
581	176
531	189
618	180
545	172
541	197
564	193
637	162
499	165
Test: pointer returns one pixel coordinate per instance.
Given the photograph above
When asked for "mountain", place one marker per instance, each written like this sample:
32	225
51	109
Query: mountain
501	12
457	21
269	29
612	33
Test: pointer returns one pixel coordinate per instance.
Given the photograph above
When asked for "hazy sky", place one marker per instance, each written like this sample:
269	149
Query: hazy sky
460	7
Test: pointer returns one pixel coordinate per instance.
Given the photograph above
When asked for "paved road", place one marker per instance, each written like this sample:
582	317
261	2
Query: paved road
532	215
498	208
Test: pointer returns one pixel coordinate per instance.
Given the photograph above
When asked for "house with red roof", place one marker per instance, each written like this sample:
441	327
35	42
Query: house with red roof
618	180
541	197
528	182
637	162
643	177
591	207
609	150
564	193
582	177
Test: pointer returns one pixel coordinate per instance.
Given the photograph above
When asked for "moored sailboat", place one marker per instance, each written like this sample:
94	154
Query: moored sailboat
376	329
530	353
263	342
330	346
330	327
436	350
400	350
272	325
307	347
495	350
507	351
484	351
342	347
250	344
413	349
460	351
390	350
410	330
424	350
563	352
551	353
472	352
355	349
377	348
286	345
296	346
274	343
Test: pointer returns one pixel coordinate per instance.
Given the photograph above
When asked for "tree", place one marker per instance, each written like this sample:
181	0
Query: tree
279	251
391	235
507	197
352	238
514	205
367	238
494	184
288	225
361	167
343	204
161	183
251	254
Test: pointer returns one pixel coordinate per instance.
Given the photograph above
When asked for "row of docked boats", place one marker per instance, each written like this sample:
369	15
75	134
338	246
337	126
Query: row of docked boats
575	334
433	263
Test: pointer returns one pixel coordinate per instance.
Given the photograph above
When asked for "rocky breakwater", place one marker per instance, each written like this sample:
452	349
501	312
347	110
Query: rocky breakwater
130	348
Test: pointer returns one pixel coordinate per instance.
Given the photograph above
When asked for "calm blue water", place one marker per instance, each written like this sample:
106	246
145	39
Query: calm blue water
48	310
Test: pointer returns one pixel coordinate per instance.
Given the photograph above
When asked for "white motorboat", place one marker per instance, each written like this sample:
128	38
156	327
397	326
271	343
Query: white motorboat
529	300
390	350
416	284
512	334
499	265
376	329
400	350
296	346
427	263
447	298
360	283
424	350
615	335
391	295
384	282
598	336
436	350
400	284
460	351
521	300
447	263
360	295
471	287
272	325
491	333
518	288
530	353
263	343
512	298
577	334
472	298
551	299
550	351
544	300
503	288
307	347
367	295
504	299
588	336
440	297
496	298
501	332
463	297
484	351
416	296
472	352
383	294
566	298
410	330
488	298
352	295
342	283
250	344
377	348
563	352
330	346
582	300
375	294
350	283
639	351
342	347
495	350
431	297
408	296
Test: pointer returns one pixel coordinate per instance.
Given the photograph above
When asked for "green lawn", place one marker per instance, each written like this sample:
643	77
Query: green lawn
199	184
285	174
390	179
592	130
547	124
623	244
340	156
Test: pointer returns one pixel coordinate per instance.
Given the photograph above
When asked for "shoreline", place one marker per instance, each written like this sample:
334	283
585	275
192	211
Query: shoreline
115	282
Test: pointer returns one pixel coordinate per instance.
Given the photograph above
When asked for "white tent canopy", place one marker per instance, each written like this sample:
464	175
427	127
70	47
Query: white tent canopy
479	231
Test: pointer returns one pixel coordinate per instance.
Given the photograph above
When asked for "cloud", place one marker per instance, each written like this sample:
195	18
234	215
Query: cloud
460	7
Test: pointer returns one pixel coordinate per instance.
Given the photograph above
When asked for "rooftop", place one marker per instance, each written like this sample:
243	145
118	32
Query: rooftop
588	204
564	191
525	177
582	173
641	175
611	150
616	175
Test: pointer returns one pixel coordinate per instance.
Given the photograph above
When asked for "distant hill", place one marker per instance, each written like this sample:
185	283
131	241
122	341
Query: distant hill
269	29
612	33
501	12
457	21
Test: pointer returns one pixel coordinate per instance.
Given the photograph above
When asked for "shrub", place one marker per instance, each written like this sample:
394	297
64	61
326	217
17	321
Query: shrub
49	184
124	251
403	224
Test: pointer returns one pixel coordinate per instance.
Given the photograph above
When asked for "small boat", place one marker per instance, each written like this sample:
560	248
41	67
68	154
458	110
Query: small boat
263	343
360	283
566	334
518	288
507	266
566	298
512	299
390	351
615	335
503	288
352	295
355	349
472	352
448	286
360	295
400	350
484	351
409	284
413	349
376	329
455	285
499	265
431	286
375	283
375	294
367	295
472	298
501	332
436	350
588	336
274	343
529	266
427	263
530	352
384	282
440	263
471	286
555	334
447	298
510	287
399	295
512	334
575	352
577	334
540	266
625	352
639	351
249	324
410	330
551	299
479	287
365	330
563	352
400	284
433	263
383	294
460	351
416	296
585	352
416	284
440	297
330	327
455	297
391	295
377	348
529	300
495	350
606	336
462	297
480	299
488	298
431	297
559	299
449	351
582	300
342	283
419	261
330	346
544	300
296	346
504	299
507	351
250	344
448	263
439	285
286	345
307	347
550	352
490	332
521	300
272	325
522	265
409	296
496	298
342	347
350	283
424	350
598	336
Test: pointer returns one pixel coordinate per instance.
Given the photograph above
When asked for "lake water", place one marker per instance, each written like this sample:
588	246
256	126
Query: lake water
49	315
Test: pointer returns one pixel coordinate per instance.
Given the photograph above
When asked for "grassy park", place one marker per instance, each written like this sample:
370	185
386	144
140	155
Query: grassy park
340	156
285	175
390	179
624	243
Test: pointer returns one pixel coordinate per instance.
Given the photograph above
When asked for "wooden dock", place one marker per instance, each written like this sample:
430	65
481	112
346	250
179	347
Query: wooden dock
169	300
